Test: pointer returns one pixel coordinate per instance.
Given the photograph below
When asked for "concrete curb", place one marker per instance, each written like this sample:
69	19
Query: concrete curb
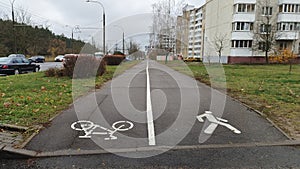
11	153
13	127
25	142
252	109
269	120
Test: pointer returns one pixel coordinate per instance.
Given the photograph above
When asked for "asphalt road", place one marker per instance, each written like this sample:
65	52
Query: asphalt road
125	127
47	65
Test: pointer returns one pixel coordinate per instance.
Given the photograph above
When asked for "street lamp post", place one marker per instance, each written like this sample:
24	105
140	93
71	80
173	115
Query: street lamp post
13	23
103	22
123	37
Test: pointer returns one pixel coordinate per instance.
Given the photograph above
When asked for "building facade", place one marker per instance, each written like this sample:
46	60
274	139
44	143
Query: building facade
189	32
247	29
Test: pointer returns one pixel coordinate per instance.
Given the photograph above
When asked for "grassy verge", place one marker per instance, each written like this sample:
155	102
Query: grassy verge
32	99
267	88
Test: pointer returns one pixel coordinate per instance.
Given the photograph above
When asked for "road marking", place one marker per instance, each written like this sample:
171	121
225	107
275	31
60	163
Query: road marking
89	128
214	122
151	132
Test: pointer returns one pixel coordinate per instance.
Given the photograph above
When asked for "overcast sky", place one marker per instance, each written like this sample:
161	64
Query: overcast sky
130	15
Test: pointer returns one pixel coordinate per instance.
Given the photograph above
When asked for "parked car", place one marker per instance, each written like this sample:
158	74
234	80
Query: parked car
37	59
16	55
192	59
17	65
59	58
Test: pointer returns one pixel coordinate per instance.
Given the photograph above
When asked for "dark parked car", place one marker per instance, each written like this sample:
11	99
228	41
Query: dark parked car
37	59
16	65
16	55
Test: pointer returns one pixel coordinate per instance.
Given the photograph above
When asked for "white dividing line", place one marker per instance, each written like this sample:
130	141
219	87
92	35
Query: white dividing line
151	132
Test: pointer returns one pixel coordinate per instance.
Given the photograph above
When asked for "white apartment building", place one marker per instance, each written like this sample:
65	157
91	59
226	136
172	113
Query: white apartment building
189	32
195	33
239	21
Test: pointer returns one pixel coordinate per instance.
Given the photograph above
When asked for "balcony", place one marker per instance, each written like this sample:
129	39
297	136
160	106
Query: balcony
244	17
287	35
288	17
242	35
244	1
288	2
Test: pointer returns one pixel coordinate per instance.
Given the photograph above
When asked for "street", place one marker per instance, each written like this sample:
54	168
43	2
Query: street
120	120
46	65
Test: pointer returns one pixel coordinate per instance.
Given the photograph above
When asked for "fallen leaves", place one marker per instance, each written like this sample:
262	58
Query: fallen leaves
35	110
7	104
43	88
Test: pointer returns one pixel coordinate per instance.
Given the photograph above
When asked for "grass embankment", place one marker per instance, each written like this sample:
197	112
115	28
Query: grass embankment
270	89
32	99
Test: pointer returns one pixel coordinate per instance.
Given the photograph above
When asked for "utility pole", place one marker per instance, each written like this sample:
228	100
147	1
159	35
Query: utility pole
123	37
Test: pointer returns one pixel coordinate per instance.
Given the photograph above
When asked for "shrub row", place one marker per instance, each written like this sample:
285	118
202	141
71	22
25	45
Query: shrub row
114	59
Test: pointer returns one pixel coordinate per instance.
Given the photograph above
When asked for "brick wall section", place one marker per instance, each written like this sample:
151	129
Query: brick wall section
248	60
251	60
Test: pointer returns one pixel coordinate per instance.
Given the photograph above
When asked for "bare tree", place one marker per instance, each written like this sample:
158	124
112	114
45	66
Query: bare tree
265	34
22	16
165	14
219	44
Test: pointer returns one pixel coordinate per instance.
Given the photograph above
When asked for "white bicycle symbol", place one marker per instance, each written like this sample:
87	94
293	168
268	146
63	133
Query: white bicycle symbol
88	127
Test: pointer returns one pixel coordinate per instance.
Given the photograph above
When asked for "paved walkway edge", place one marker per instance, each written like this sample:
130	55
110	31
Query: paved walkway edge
11	153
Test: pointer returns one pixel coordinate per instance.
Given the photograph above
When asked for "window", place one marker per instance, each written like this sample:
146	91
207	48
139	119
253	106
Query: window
241	43
289	8
267	10
264	28
244	8
283	45
242	26
261	45
288	26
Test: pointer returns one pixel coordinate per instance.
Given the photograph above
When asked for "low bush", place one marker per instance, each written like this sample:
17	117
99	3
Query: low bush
114	59
83	66
54	72
79	66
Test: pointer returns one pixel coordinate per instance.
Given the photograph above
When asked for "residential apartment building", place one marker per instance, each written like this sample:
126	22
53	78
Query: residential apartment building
195	33
242	25
246	22
189	32
288	25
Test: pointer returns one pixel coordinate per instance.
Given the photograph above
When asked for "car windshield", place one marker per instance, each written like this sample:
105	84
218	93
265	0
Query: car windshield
16	55
4	60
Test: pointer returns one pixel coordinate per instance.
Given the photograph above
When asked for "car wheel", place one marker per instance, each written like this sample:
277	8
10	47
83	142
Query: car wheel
36	69
17	71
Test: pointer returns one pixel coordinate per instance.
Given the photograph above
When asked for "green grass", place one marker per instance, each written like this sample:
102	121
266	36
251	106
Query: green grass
270	89
32	99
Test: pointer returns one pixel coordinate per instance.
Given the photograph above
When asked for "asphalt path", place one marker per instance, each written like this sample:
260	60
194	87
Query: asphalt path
121	110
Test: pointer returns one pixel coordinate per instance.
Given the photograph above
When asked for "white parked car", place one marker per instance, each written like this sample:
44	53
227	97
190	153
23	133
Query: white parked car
59	58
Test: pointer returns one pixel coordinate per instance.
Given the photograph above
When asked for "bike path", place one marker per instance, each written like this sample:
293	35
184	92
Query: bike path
175	104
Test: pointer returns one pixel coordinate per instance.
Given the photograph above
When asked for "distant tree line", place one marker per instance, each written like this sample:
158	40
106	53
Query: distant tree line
34	40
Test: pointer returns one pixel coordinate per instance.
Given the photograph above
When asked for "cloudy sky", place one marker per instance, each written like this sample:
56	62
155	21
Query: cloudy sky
129	15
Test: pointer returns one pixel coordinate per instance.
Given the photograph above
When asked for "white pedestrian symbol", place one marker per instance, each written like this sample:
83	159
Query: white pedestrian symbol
215	121
89	128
